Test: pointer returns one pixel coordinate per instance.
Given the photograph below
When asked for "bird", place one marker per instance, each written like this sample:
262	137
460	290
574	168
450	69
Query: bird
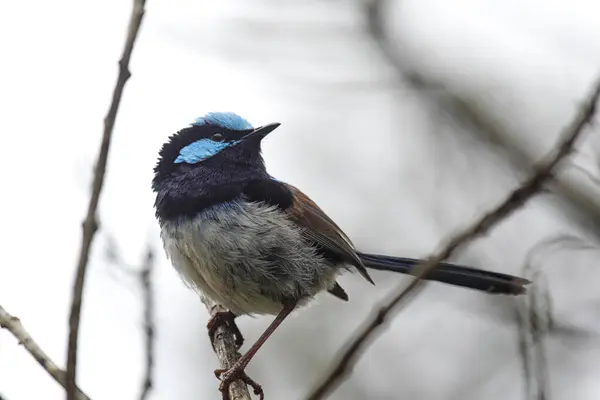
257	245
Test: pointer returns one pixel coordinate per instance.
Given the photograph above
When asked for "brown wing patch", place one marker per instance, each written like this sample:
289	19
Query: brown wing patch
319	228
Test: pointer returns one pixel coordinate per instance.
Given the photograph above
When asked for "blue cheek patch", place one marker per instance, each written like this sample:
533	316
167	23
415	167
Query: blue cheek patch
201	150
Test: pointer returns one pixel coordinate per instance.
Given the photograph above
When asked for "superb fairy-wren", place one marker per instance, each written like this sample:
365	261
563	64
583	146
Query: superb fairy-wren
257	245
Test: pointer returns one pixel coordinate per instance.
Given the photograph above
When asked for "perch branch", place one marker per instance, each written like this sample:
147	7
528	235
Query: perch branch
226	351
533	185
14	326
90	224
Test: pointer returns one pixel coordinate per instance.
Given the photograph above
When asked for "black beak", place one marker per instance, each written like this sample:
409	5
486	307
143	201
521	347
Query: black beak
262	131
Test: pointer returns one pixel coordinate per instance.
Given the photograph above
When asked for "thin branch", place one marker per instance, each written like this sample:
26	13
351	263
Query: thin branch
226	351
534	317
375	11
594	179
14	326
149	321
481	226
90	224
143	278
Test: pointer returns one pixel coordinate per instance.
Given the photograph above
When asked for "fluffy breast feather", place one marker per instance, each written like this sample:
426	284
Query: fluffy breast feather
247	256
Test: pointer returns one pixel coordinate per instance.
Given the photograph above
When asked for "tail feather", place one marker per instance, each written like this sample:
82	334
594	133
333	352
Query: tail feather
486	281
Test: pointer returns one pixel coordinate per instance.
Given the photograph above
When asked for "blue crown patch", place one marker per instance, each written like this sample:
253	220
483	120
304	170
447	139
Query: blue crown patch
227	120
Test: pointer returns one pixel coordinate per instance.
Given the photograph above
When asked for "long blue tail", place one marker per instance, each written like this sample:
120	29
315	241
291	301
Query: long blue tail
486	281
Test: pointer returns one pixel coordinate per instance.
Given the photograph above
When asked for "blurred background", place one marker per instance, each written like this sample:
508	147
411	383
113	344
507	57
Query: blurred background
403	120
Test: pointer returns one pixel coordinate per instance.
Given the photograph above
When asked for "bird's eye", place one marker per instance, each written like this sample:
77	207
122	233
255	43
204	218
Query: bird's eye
218	137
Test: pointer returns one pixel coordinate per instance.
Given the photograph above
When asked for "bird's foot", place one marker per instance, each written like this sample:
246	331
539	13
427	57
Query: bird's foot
228	376
224	318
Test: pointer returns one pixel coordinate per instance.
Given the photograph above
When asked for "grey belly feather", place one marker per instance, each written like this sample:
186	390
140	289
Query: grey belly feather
248	257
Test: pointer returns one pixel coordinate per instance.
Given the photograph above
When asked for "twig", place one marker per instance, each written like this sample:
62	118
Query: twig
375	10
594	179
14	326
534	326
226	351
481	226
534	318
149	321
90	224
143	277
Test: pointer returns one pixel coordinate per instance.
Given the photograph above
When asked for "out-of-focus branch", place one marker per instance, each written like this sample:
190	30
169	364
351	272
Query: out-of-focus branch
143	278
226	351
90	224
534	323
14	326
375	12
352	350
534	315
579	196
149	321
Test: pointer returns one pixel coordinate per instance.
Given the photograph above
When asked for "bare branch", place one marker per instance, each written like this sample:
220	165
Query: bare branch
352	350
534	320
149	321
14	326
143	278
90	224
375	11
534	316
226	350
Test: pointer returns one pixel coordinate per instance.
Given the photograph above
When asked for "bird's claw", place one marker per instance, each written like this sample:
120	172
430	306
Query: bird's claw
224	318
228	376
